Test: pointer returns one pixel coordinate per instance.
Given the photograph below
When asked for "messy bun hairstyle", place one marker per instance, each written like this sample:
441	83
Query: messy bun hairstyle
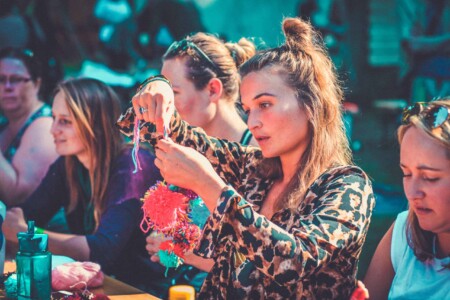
226	57
305	66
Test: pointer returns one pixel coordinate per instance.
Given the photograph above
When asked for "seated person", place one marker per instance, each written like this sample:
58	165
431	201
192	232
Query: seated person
27	147
204	73
287	220
94	181
412	260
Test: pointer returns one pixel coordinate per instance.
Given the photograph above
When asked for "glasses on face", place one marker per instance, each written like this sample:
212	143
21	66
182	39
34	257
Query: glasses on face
13	80
184	45
433	115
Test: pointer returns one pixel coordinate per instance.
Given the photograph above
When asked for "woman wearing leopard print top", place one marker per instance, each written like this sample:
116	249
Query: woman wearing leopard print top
287	220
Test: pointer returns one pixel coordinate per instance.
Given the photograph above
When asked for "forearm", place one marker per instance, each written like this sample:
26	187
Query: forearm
204	264
10	193
74	246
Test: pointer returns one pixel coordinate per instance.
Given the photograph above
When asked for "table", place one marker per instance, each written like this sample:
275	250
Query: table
113	288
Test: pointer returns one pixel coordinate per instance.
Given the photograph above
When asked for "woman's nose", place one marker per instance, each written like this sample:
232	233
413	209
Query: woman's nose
414	190
253	121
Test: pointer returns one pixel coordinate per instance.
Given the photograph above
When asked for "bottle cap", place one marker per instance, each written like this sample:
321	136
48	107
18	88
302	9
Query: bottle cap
30	242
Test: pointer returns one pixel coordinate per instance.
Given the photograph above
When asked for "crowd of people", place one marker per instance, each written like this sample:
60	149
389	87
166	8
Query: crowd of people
263	132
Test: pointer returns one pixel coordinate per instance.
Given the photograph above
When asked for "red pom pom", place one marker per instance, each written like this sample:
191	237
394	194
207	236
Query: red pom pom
163	208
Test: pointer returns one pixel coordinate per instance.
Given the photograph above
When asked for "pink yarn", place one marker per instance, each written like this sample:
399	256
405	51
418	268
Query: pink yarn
77	275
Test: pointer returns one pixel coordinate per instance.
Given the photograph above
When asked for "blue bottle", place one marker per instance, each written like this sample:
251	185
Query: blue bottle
34	265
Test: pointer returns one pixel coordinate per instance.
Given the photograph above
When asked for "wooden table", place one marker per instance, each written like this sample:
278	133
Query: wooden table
113	288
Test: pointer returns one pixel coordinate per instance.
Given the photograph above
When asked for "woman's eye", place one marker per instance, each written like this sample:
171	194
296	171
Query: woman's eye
64	122
431	179
406	175
264	105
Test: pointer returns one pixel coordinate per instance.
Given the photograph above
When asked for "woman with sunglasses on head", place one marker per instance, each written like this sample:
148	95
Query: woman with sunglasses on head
94	181
27	147
203	71
412	260
287	220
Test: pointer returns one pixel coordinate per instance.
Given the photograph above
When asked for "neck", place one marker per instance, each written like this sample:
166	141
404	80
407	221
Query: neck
84	160
443	245
18	117
227	123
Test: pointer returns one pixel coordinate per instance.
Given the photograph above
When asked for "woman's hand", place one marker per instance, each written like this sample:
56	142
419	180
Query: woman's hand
187	168
155	104
153	241
14	222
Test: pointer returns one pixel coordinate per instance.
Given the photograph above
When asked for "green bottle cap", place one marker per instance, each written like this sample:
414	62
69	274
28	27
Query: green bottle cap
30	242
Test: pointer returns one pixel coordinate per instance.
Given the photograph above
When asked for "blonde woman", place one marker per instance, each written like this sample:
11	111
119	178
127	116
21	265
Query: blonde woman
287	220
412	260
94	181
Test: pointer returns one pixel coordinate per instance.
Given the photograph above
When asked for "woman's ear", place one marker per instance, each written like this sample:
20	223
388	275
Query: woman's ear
37	84
215	89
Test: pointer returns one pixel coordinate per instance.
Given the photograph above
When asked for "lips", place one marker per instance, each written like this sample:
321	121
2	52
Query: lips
420	210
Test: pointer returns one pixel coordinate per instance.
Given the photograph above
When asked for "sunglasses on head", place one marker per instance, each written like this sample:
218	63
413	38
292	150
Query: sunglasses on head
185	44
433	115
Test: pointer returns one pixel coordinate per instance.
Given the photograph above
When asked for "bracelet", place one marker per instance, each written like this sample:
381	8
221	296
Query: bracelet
153	78
38	230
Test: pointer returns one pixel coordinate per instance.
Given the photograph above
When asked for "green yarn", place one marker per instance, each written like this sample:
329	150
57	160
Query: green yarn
169	260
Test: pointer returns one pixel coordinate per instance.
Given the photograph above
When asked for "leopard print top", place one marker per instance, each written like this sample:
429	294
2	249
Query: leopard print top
309	253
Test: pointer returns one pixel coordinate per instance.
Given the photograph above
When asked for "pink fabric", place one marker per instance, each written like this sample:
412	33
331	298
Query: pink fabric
77	275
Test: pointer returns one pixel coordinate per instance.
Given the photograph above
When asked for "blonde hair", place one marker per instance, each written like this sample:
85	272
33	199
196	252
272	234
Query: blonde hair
306	67
95	108
421	241
226	57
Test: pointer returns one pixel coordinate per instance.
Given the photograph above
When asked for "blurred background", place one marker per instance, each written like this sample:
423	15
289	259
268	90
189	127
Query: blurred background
121	43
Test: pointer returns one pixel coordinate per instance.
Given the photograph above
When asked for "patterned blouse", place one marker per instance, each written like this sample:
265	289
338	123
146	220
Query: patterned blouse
311	252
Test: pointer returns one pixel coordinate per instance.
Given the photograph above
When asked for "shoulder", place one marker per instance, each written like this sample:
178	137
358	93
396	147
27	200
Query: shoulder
343	176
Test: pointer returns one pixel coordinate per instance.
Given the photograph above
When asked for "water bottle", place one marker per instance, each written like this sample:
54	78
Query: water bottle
34	265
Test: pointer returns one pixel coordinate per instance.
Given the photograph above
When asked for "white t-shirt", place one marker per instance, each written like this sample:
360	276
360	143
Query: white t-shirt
415	279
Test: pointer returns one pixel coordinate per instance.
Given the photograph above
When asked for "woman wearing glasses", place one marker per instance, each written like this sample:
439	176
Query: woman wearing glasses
287	220
412	260
94	181
27	147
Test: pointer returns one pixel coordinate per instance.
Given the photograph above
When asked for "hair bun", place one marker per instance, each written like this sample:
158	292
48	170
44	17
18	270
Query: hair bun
241	51
298	33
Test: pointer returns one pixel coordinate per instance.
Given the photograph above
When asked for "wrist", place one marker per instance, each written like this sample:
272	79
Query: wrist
151	79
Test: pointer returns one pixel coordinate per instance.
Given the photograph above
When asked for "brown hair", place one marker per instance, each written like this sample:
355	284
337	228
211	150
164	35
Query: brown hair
226	57
95	108
421	241
307	68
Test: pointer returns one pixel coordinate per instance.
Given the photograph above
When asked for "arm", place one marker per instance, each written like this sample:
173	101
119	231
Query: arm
74	246
152	247
123	212
336	227
380	274
29	164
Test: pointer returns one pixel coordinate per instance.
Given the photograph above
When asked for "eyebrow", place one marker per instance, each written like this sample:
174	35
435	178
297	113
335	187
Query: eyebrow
262	95
423	167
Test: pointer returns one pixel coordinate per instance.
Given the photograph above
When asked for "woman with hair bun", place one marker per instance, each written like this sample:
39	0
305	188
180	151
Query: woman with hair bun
203	71
287	220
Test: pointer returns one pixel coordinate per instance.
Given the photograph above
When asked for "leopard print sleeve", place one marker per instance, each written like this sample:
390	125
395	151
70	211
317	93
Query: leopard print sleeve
229	159
326	232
